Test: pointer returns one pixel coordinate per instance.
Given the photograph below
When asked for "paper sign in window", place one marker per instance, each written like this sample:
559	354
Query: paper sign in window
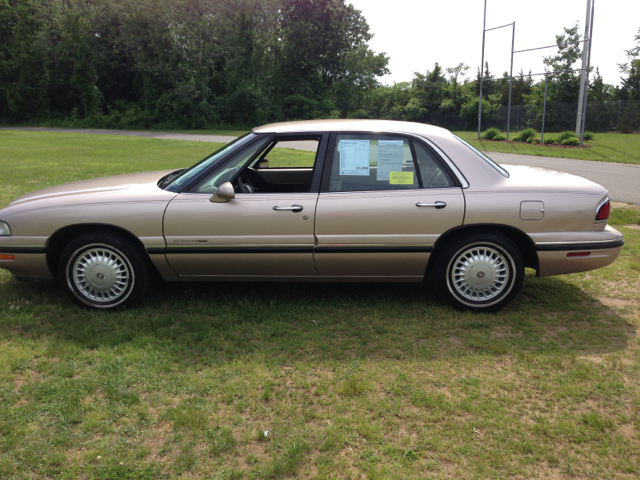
401	178
389	158
354	157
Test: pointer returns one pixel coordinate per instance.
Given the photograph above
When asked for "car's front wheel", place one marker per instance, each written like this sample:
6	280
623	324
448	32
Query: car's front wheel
481	272
104	271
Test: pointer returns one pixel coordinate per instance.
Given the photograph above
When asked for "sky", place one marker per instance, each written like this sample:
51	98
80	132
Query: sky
417	33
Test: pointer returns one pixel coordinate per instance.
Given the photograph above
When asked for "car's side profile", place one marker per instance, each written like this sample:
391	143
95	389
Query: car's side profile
375	201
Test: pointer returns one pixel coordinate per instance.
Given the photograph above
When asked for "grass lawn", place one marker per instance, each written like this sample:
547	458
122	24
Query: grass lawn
345	381
606	147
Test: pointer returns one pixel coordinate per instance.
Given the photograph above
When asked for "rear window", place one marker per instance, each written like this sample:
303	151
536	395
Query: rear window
501	170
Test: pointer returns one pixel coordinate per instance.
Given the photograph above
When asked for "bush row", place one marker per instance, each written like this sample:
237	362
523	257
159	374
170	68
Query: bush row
529	135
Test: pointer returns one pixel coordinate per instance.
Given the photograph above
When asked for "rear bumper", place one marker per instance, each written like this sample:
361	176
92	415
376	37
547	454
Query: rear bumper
569	256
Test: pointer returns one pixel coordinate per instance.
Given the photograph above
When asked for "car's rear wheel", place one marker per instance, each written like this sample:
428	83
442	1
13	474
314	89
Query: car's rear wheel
481	272
104	271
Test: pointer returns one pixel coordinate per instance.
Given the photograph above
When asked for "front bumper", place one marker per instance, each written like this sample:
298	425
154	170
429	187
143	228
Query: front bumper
29	257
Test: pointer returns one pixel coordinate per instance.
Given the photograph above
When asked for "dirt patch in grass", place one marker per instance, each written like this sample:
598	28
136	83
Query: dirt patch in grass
624	206
619	302
592	358
628	431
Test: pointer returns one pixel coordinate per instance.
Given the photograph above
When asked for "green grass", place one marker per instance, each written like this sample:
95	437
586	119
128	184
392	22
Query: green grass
623	214
606	147
288	157
33	160
351	381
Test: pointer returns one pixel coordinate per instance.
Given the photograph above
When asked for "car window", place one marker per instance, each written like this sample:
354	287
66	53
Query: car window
231	167
291	154
483	156
372	162
180	181
433	176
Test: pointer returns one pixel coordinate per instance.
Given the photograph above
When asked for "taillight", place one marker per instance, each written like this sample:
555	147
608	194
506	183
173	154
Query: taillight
603	211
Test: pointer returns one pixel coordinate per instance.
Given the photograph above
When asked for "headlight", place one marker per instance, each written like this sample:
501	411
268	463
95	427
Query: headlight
4	229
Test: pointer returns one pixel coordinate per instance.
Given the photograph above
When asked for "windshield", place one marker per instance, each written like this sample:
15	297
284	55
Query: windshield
180	181
483	156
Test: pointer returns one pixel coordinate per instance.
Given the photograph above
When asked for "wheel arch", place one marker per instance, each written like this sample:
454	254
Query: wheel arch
58	241
521	240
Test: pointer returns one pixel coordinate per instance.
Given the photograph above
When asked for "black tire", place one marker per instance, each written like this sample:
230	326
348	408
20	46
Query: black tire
479	272
104	271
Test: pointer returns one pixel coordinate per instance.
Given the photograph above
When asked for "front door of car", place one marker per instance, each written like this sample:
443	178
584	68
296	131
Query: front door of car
385	200
265	231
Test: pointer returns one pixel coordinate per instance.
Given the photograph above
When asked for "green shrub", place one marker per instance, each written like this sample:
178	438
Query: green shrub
525	135
358	114
551	141
489	134
533	140
588	136
573	141
564	135
499	138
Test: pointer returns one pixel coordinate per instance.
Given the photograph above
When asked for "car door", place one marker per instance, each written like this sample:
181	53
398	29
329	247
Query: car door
385	200
257	234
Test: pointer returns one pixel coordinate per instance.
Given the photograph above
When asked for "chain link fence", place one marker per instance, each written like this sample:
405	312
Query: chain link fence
615	116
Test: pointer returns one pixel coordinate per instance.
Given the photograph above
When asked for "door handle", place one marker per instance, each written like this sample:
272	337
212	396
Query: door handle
437	205
293	208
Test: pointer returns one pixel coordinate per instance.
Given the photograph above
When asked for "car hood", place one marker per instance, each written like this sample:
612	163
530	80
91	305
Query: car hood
121	188
536	179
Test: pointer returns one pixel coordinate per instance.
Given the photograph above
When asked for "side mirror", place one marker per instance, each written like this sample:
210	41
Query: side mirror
224	193
264	163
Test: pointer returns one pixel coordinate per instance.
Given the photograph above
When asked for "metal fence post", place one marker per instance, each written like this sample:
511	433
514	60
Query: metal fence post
513	38
544	106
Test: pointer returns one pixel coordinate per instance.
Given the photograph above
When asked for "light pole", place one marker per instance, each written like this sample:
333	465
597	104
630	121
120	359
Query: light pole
583	73
484	31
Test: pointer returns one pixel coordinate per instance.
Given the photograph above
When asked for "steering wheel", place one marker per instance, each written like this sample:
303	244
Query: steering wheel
244	183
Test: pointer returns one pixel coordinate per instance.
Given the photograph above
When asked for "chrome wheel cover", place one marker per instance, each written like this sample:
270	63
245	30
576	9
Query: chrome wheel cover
101	274
480	273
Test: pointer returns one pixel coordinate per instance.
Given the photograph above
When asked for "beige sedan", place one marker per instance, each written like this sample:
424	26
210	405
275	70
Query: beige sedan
376	201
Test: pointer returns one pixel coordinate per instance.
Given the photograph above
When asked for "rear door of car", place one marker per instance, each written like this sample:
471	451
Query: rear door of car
384	201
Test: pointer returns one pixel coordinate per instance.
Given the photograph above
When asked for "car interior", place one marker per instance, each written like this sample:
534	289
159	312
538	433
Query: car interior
282	167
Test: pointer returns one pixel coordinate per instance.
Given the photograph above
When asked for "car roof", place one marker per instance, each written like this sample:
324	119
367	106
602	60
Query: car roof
354	125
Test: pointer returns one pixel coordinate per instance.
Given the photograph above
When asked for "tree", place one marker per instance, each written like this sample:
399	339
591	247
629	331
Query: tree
427	92
630	89
563	85
630	82
488	82
323	42
521	85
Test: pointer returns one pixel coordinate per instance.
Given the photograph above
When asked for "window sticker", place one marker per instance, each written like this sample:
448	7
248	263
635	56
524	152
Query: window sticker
401	178
389	158
354	157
